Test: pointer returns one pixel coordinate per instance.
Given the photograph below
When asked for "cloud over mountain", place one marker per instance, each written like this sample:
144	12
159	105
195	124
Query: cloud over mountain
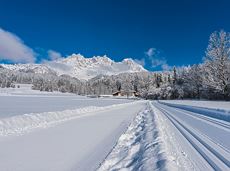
13	49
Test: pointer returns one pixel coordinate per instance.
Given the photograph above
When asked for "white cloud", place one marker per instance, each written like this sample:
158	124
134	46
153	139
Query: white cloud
166	67
12	48
154	57
150	52
54	55
157	62
140	61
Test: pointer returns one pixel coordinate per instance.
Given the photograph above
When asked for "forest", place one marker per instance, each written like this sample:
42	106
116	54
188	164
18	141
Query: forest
207	80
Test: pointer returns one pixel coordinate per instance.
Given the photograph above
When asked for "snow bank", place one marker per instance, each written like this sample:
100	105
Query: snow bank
21	124
218	114
151	143
139	148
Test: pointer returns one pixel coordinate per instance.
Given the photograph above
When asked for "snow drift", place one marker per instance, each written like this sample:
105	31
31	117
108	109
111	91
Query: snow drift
21	124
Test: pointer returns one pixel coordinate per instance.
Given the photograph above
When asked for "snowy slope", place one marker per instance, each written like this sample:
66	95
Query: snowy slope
30	68
80	67
86	68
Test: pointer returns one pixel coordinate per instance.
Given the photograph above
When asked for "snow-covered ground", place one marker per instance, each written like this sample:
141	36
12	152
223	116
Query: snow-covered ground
205	139
140	147
221	105
26	90
79	144
218	110
53	131
23	100
163	137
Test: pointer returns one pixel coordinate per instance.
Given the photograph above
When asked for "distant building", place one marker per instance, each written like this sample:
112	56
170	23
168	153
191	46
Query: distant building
118	93
126	93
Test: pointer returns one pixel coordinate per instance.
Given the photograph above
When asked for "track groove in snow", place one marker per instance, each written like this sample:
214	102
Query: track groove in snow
222	124
214	113
213	153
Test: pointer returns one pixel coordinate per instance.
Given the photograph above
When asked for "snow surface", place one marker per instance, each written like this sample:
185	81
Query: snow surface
78	140
218	110
26	90
207	138
67	132
80	67
163	137
218	105
140	147
23	100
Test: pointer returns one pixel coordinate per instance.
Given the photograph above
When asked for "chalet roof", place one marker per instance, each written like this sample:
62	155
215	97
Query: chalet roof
123	91
116	92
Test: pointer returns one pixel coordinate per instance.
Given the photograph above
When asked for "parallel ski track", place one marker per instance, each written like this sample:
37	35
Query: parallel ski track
203	148
220	124
225	125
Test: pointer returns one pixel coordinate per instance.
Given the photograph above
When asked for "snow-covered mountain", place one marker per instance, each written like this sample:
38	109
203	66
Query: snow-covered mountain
30	68
80	67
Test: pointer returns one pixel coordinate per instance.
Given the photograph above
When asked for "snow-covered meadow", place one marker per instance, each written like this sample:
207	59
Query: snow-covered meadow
56	131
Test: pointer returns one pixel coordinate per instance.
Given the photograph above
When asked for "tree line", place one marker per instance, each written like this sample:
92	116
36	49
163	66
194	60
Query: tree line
207	80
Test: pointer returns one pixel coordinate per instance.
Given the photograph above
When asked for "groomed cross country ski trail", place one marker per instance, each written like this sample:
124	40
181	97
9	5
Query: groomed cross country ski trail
163	137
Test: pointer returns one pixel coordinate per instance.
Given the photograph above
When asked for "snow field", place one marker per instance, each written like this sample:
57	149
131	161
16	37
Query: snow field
23	123
156	136
25	104
80	143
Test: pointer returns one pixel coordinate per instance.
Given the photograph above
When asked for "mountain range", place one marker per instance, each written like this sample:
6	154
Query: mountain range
80	67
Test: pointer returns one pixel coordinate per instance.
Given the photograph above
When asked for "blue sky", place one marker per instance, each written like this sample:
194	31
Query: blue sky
155	33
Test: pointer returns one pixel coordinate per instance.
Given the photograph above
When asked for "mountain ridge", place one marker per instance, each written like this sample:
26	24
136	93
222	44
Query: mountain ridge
80	67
